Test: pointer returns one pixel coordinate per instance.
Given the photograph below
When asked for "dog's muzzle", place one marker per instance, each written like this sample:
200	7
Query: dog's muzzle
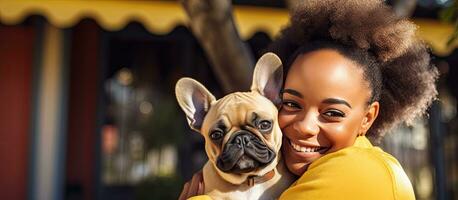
244	152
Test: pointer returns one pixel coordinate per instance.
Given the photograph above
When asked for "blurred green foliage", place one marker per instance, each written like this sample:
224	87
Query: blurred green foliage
450	15
159	188
165	126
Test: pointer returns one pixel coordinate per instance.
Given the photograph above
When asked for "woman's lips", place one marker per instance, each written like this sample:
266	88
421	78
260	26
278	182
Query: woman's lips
307	149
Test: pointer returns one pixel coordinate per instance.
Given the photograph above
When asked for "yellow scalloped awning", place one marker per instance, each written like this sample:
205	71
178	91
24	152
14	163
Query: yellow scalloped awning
160	17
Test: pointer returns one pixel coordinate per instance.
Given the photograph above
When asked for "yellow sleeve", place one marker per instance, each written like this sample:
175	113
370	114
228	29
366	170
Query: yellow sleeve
353	173
200	197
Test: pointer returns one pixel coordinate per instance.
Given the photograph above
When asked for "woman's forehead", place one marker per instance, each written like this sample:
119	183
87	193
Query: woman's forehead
324	60
326	73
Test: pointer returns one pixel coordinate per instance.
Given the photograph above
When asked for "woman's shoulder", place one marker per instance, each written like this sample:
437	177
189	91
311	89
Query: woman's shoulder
354	173
364	159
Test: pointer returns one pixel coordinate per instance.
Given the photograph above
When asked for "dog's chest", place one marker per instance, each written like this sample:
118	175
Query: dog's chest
217	188
258	191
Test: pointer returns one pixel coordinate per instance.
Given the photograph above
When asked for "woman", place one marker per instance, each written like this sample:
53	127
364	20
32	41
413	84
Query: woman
354	70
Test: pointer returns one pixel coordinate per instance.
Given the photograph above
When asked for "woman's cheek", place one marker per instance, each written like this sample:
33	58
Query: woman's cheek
339	136
284	120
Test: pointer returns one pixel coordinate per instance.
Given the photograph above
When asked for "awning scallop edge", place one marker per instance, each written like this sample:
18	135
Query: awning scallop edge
160	17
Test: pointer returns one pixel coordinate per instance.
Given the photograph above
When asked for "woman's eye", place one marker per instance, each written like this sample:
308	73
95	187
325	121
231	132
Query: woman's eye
290	105
334	113
216	135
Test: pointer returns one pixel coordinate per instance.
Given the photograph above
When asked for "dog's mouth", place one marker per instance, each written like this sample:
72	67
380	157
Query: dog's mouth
243	153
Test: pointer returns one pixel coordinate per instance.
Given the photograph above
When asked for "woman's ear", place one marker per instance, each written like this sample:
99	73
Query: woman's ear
369	118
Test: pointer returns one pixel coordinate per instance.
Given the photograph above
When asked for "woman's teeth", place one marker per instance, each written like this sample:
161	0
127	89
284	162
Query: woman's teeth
304	149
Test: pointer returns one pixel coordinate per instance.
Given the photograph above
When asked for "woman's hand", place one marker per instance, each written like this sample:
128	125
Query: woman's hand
194	187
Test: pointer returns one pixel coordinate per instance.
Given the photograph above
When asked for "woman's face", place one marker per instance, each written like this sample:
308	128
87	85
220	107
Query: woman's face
324	107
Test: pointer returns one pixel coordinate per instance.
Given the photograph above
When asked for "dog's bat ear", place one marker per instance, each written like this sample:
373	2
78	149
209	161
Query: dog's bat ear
195	100
268	77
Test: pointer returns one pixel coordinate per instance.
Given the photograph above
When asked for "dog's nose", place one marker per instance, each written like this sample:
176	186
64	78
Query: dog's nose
243	140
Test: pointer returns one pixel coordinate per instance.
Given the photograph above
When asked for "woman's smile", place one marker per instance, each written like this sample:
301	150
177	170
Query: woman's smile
303	153
307	149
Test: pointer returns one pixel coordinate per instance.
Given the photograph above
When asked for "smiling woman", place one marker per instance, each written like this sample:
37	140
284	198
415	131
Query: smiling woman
349	78
324	102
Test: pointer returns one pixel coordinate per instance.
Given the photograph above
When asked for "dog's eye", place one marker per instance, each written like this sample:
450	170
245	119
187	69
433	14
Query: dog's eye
216	135
264	125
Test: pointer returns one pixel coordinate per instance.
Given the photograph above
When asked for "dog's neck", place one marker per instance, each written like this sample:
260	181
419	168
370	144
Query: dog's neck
252	180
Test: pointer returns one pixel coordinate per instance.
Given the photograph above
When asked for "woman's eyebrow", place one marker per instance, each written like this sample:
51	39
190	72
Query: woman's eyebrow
292	92
336	101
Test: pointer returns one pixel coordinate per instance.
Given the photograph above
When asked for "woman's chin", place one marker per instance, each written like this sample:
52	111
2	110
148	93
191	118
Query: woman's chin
297	168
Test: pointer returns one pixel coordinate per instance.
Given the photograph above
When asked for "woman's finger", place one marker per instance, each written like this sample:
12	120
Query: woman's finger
201	187
200	191
184	192
194	187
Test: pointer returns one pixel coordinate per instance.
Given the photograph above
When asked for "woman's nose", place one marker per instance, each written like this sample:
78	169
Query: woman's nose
307	125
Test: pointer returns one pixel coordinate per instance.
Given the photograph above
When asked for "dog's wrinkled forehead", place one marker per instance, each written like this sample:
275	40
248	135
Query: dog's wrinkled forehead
238	108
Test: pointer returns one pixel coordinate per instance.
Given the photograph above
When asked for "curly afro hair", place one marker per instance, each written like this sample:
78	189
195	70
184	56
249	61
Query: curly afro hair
406	84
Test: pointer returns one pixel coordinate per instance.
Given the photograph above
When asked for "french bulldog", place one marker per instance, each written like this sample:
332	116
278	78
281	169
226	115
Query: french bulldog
242	135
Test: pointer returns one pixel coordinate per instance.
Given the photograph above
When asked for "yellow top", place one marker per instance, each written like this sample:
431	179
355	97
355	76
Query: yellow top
358	172
361	171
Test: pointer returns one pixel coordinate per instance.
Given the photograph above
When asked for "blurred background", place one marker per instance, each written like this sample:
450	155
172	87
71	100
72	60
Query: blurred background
87	105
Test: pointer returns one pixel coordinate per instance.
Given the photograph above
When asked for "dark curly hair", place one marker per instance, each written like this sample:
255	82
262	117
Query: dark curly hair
395	62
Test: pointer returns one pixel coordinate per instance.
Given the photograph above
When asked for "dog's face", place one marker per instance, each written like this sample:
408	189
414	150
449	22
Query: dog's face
242	136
